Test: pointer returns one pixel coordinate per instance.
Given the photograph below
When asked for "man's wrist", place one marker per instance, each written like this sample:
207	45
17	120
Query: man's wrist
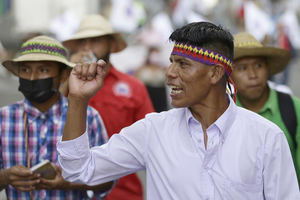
77	101
4	174
66	185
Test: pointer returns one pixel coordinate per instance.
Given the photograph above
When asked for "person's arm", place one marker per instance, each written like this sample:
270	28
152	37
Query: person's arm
84	81
59	183
77	186
3	178
122	155
279	176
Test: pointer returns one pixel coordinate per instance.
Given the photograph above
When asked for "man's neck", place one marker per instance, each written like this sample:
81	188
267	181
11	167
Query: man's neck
255	105
210	110
45	106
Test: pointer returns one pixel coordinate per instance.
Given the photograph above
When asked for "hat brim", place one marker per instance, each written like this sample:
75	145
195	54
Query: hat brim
121	44
277	58
12	65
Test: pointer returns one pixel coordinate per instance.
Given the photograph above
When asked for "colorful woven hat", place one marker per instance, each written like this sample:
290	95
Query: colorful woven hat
246	45
40	48
95	26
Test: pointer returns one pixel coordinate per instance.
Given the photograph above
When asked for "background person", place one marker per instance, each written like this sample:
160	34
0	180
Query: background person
31	128
253	64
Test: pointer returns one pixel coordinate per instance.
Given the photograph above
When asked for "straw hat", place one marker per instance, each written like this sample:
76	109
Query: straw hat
95	26
246	45
40	48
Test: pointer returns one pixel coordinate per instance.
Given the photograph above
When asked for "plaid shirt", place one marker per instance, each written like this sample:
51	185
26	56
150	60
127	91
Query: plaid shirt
44	130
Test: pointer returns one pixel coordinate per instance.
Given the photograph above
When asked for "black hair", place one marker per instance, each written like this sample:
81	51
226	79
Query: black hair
206	35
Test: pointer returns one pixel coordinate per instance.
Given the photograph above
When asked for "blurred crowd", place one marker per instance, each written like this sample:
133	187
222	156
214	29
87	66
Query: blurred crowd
146	26
142	29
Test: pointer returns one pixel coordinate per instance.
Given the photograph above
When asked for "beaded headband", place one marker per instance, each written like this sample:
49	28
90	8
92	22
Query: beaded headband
202	55
46	48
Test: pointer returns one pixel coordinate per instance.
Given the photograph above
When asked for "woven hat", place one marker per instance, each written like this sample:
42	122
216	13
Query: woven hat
95	26
246	45
40	48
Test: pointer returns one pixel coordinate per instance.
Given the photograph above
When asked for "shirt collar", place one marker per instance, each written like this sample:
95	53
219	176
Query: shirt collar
223	123
57	108
31	111
113	72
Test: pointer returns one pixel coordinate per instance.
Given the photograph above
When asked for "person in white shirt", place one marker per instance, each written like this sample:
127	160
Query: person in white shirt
204	148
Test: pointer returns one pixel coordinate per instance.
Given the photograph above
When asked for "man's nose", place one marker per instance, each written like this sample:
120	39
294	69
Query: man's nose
33	76
252	72
171	71
87	44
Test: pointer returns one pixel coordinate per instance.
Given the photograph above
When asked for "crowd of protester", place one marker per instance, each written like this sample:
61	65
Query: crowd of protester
213	123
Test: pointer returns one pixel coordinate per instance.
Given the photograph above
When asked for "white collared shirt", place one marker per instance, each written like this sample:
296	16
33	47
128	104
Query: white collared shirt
247	157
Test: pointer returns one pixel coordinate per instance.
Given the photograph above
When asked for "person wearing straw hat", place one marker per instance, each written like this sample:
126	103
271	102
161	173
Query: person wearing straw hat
122	100
204	148
253	65
31	128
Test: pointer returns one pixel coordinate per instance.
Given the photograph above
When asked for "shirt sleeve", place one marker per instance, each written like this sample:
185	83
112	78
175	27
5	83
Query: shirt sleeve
123	154
279	176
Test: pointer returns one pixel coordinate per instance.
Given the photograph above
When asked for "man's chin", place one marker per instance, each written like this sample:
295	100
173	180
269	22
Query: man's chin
177	105
253	97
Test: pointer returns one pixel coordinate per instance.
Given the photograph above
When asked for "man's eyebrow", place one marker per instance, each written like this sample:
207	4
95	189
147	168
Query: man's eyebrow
22	65
178	59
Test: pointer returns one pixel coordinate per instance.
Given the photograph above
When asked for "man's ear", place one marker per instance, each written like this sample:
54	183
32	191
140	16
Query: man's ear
218	71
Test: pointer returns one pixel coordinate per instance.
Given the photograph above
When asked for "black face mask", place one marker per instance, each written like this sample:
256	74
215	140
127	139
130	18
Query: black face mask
38	91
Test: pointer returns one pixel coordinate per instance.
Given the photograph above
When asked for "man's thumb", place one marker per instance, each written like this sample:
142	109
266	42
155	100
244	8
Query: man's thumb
100	69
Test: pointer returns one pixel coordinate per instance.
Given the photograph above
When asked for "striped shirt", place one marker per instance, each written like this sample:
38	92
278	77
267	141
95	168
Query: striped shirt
44	130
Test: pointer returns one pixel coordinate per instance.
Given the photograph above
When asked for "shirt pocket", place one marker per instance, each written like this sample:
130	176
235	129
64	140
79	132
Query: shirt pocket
242	191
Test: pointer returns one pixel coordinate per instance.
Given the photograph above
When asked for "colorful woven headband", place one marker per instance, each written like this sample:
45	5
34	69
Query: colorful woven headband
38	47
202	55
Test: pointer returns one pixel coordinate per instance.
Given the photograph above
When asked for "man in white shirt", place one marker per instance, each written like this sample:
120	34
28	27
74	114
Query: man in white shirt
204	148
